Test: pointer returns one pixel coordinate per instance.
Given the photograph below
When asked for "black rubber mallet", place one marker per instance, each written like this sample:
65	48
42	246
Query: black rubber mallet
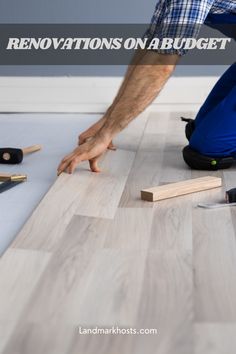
12	156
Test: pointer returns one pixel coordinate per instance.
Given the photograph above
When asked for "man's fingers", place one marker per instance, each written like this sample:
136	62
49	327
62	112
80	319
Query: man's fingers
94	165
72	166
61	168
91	150
68	157
65	163
111	146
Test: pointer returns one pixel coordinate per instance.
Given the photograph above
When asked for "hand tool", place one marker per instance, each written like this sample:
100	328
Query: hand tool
190	126
230	197
14	156
10	181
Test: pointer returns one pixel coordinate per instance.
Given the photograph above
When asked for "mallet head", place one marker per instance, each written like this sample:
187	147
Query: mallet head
11	156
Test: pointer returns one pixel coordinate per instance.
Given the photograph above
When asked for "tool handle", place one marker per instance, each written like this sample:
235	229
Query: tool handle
30	149
187	120
5	176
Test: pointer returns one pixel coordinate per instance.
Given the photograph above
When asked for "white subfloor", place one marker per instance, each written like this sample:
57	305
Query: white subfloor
58	135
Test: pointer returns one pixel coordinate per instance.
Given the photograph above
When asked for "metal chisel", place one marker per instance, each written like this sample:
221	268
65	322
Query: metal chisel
230	198
10	181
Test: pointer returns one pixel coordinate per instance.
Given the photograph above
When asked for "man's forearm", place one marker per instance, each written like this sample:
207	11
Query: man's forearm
143	82
139	54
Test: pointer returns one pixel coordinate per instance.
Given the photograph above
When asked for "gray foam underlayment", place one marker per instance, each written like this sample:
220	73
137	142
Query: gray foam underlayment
58	134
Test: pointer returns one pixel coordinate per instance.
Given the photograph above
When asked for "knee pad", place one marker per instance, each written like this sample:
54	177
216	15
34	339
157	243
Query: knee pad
197	161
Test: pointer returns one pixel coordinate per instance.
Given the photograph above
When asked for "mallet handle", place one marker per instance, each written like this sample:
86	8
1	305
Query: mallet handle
30	149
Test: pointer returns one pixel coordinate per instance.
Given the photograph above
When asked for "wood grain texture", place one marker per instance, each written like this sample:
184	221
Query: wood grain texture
20	270
173	167
214	261
81	268
166	305
93	257
41	338
95	279
130	229
82	193
130	138
101	344
146	169
215	338
172	225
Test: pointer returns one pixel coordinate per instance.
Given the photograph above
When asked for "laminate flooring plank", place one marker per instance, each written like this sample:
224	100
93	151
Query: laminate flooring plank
94	278
176	126
148	161
214	260
198	173
93	258
174	168
116	277
166	304
229	177
162	122
129	139
136	289
172	225
215	338
157	123
20	271
130	229
172	221
102	196
44	338
102	344
82	193
145	172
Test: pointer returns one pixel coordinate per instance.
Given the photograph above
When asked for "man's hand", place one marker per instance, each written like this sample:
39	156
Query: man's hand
92	131
90	150
91	147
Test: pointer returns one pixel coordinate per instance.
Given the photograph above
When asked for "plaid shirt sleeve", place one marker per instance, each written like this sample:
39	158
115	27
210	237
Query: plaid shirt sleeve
177	19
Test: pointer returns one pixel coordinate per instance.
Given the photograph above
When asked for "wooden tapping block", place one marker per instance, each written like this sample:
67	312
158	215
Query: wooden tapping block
180	188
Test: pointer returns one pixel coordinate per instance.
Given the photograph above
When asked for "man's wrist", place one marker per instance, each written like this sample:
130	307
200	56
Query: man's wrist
105	135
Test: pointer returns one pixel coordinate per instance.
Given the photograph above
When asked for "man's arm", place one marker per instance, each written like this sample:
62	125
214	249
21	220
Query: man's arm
98	125
147	79
144	80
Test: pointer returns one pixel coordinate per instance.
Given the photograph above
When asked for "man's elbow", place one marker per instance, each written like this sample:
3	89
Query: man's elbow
157	63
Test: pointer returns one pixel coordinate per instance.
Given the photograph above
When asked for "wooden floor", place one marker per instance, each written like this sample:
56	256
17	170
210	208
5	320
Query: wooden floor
94	255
